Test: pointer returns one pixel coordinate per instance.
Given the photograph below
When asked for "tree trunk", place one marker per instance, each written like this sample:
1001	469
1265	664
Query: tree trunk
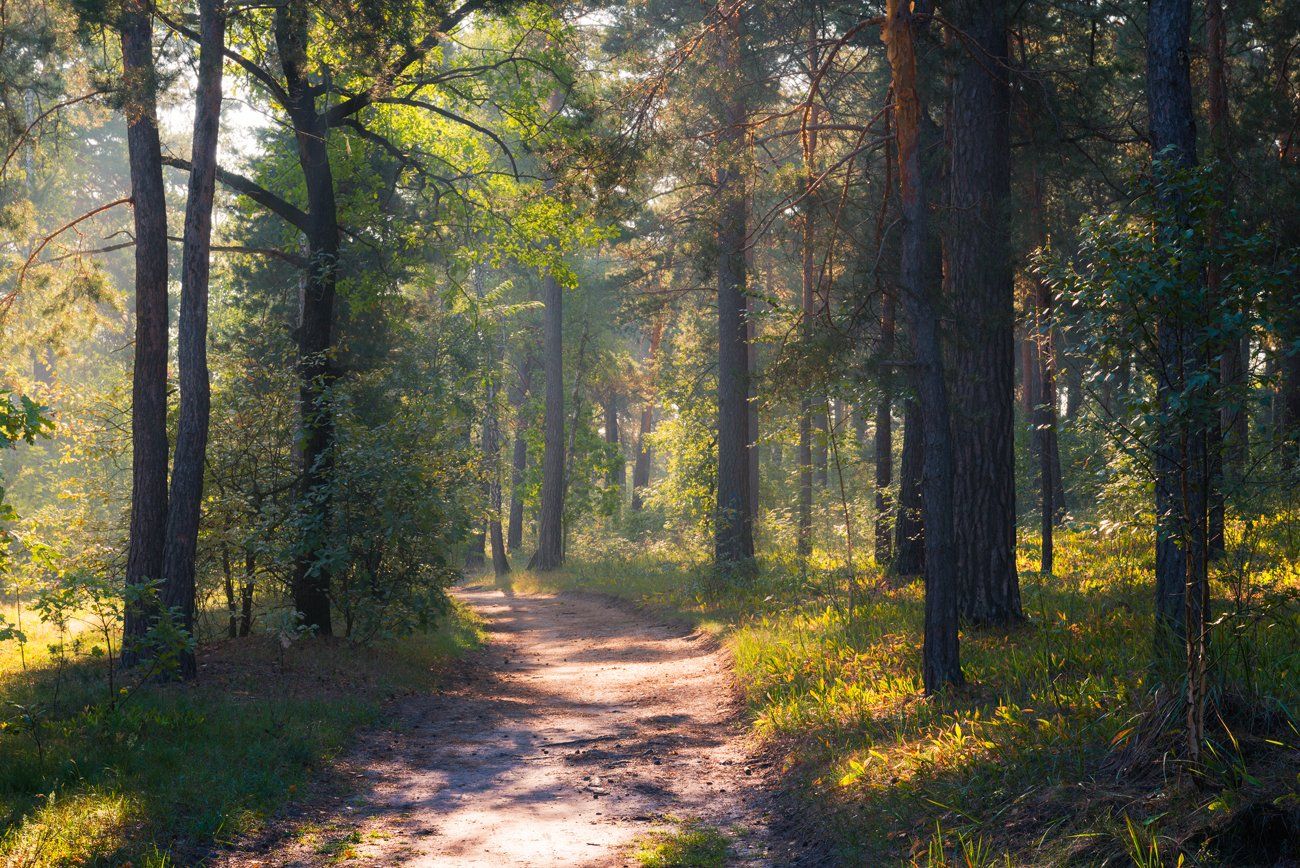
644	457
550	521
492	456
316	373
751	405
941	653
980	287
149	378
909	526
884	445
519	456
192	430
618	470
1181	458
733	528
1230	449
1051	490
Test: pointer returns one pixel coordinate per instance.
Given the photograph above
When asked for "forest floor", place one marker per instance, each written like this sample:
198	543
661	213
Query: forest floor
586	732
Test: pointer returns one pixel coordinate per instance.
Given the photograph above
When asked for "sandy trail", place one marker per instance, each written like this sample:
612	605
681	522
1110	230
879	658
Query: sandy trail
581	726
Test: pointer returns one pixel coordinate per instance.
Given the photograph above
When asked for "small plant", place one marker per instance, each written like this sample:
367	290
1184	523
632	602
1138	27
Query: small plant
690	845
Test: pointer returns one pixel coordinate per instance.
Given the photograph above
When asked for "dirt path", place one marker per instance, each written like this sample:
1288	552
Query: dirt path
581	726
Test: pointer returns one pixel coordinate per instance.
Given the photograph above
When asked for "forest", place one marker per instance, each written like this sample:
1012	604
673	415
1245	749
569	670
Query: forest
650	432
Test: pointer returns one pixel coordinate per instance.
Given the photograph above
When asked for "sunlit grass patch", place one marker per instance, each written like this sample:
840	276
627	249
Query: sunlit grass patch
1015	764
163	772
687	844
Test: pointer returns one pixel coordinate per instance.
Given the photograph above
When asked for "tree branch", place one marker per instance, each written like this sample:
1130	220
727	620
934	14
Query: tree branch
286	210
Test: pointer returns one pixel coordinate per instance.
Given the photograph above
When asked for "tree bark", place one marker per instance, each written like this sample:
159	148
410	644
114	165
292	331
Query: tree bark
1181	461
941	653
316	372
733	527
149	448
550	521
186	494
980	287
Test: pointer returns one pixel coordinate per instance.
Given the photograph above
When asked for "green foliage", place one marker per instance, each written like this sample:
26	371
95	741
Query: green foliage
689	845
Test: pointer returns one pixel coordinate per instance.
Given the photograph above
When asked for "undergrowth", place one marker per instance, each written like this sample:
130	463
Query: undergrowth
1035	761
157	775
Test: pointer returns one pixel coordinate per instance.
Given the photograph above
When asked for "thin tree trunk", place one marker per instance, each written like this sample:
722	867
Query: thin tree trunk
550	523
812	456
519	456
941	654
884	445
492	456
618	470
246	593
644	456
186	494
149	377
909	526
1182	461
733	528
316	372
979	285
1229	450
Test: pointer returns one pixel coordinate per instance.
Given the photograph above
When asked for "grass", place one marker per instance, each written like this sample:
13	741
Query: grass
688	844
158	776
1037	761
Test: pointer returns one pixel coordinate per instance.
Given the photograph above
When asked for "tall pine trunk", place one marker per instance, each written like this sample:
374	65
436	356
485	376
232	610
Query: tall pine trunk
144	564
941	664
980	287
192	430
733	526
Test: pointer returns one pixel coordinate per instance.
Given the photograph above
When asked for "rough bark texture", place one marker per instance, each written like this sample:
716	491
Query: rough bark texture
186	493
149	377
979	286
941	654
1182	439
733	528
316	374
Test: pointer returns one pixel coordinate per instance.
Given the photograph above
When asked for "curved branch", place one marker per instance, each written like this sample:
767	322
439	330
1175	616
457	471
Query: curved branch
7	299
284	209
